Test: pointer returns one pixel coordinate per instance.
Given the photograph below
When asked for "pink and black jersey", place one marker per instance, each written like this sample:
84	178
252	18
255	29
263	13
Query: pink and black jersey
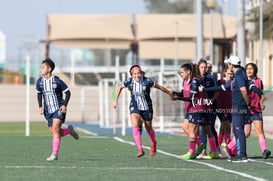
190	89
224	98
254	97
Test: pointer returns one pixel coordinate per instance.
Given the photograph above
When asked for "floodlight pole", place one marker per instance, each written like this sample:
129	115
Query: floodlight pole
211	4
261	40
27	93
200	41
241	30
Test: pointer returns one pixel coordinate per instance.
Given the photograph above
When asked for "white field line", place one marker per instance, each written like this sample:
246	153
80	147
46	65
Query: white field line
268	163
99	168
202	163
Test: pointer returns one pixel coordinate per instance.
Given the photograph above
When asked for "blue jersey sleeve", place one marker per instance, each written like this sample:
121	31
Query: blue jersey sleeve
63	86
221	87
127	82
194	86
38	88
241	81
150	82
254	88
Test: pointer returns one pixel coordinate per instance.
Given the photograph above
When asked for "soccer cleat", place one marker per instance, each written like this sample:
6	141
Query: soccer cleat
52	157
210	156
200	156
200	148
153	149
266	154
140	152
227	152
73	133
188	156
238	159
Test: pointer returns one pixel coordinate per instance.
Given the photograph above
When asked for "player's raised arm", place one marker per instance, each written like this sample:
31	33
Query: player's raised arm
121	86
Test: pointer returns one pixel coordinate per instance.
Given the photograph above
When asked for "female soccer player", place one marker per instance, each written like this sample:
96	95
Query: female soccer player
193	118
141	105
256	109
224	108
50	88
209	112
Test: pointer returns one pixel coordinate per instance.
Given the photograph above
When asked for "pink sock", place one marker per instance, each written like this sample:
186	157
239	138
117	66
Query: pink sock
137	137
65	132
197	141
152	136
192	147
227	138
232	146
262	144
220	139
212	144
56	145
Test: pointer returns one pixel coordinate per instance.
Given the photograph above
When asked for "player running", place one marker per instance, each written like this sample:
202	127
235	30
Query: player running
141	105
50	88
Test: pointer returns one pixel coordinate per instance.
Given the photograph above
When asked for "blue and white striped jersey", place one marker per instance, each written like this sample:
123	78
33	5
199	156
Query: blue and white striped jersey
52	90
140	92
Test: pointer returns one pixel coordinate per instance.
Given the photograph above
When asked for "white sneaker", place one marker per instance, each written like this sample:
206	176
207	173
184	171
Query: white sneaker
73	133
52	157
202	154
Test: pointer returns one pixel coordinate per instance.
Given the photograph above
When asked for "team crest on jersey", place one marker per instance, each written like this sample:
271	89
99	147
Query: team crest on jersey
144	88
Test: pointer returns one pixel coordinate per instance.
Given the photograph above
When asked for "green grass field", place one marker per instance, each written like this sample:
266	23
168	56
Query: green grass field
106	158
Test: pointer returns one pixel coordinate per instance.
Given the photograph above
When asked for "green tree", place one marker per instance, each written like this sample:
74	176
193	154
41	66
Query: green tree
267	21
174	6
166	6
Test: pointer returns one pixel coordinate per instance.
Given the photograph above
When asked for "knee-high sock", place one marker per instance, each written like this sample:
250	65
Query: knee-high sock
212	144
152	136
220	139
197	141
56	145
232	146
192	147
262	143
65	131
137	137
227	138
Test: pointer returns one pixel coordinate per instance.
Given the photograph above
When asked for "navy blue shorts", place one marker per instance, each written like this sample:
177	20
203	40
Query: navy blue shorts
209	118
256	117
194	118
147	115
56	115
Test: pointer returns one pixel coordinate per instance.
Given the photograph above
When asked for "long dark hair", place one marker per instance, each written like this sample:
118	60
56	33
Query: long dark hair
198	65
191	67
254	66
